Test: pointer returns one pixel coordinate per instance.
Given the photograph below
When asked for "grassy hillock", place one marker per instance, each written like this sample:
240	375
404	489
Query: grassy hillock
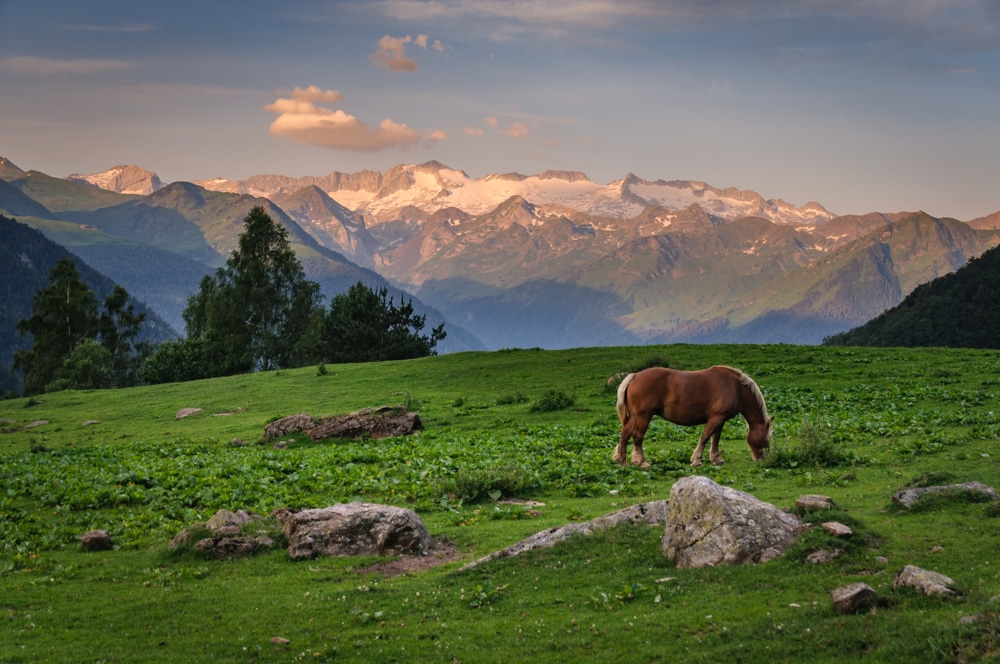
856	424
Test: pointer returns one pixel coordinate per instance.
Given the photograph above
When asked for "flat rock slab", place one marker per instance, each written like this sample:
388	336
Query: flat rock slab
653	513
910	497
926	581
383	422
837	529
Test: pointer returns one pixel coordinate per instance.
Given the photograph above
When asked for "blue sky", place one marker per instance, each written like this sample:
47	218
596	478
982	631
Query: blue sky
862	106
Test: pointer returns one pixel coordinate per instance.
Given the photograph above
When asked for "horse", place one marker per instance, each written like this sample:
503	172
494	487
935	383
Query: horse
711	397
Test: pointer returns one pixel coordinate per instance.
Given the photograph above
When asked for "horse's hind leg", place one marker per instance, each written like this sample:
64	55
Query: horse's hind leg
627	428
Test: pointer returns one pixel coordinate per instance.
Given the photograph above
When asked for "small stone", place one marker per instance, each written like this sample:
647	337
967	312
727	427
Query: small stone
185	412
279	640
96	540
237	442
815	503
852	598
937	548
36	423
821	556
89	422
280	445
837	529
882	560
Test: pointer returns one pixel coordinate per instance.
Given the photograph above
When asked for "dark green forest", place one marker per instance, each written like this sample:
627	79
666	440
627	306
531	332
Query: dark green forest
958	310
26	259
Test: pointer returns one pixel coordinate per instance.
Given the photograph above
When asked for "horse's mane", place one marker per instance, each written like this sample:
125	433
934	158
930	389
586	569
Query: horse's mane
748	382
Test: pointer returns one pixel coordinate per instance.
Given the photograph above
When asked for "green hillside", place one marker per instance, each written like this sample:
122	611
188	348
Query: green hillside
855	424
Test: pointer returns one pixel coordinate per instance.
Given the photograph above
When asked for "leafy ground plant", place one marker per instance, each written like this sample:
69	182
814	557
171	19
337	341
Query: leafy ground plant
142	474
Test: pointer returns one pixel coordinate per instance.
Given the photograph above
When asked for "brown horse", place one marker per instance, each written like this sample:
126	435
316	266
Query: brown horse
711	397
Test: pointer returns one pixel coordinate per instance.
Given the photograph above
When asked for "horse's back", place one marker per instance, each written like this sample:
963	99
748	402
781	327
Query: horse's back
686	397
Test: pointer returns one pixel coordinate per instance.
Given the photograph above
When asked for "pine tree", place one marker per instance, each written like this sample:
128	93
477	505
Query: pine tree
63	314
364	325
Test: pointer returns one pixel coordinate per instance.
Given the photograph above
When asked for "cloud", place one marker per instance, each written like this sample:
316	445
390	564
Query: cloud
516	130
473	131
300	119
51	66
128	28
391	53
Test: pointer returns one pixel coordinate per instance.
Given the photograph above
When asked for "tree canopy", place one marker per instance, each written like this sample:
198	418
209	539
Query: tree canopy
960	310
65	326
364	325
252	313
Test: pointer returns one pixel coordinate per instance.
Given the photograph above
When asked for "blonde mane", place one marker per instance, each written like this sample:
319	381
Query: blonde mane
758	396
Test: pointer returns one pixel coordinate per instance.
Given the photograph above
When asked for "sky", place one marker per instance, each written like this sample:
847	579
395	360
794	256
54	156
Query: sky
860	105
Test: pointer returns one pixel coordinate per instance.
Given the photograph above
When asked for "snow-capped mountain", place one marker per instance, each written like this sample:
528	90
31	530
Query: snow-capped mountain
129	179
432	186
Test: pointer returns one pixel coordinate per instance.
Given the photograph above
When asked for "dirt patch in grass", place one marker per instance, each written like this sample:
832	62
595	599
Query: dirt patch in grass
442	552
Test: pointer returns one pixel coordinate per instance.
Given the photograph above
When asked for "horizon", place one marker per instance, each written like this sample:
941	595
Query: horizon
861	109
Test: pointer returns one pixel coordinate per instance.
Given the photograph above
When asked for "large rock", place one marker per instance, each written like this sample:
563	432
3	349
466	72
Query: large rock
355	529
709	524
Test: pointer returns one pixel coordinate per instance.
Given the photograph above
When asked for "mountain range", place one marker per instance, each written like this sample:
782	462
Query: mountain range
550	260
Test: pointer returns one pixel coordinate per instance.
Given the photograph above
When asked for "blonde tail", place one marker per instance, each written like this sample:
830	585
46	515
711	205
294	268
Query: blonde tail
620	405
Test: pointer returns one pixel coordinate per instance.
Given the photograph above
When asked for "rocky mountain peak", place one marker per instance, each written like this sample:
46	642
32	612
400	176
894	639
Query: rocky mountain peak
125	179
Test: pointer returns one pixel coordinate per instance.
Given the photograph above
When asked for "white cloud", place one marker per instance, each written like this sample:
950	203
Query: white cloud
301	119
51	66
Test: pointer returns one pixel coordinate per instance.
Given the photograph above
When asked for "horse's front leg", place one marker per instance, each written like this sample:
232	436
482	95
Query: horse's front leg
699	450
715	454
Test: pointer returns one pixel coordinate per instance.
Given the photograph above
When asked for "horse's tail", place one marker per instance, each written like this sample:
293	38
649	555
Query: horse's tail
620	405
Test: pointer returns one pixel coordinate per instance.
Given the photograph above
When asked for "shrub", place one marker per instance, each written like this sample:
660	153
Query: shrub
551	401
512	399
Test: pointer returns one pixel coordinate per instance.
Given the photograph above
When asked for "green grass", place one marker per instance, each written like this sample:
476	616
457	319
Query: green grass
854	424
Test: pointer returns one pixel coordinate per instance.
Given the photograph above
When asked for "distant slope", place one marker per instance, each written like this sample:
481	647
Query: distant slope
959	310
201	228
58	194
858	281
26	258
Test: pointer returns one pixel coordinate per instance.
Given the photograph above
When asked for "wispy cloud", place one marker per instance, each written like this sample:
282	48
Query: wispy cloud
36	66
301	119
126	28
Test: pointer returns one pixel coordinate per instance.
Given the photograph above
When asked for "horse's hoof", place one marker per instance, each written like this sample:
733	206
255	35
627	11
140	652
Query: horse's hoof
695	464
718	462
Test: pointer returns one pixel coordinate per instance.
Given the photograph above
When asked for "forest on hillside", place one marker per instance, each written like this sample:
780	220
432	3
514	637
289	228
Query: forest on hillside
957	310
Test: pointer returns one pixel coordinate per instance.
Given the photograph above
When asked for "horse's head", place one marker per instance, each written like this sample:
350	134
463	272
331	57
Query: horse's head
759	438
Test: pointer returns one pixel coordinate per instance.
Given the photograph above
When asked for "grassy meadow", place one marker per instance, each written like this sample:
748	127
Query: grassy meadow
855	424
